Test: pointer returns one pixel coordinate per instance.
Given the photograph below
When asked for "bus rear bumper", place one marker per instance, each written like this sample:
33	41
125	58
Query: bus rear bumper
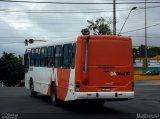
105	95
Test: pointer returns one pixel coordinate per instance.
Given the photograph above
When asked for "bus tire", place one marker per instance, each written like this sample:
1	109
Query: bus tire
32	92
54	99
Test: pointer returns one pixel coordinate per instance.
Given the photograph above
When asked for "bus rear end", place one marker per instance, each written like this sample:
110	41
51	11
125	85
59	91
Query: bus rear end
104	68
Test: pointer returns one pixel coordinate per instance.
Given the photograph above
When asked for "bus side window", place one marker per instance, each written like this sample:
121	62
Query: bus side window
73	55
50	56
26	62
53	58
37	57
67	54
45	57
32	57
58	56
42	57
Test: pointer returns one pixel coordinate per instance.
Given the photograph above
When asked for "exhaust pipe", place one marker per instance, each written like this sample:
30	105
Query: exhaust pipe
86	55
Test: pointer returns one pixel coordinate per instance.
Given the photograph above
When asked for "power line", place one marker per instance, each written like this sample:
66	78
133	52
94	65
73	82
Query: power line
55	11
152	34
141	28
48	17
10	42
66	10
73	21
72	10
122	32
34	37
59	11
69	11
43	31
147	36
76	3
45	23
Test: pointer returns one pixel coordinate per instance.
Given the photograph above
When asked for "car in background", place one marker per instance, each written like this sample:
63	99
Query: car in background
154	72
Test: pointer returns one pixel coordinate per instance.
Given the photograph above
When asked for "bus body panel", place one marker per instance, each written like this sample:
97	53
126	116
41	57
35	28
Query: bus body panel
40	77
110	64
42	81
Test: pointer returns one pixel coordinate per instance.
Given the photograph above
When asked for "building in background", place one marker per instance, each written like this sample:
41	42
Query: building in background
153	65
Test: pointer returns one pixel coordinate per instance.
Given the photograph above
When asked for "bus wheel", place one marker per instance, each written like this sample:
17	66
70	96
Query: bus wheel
54	99
32	92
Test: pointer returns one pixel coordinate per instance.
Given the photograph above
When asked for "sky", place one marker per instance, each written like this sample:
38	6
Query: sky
49	21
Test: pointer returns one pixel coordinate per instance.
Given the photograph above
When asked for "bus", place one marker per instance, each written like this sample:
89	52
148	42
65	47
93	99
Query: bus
91	68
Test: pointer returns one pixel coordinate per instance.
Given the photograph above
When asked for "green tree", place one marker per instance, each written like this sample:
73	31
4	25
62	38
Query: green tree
153	51
141	50
85	31
135	54
11	69
99	27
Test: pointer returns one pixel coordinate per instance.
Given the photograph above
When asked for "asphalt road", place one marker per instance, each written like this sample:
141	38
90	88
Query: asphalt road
16	102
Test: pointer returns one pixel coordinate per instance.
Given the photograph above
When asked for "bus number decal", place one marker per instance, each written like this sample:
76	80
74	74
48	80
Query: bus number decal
113	74
119	73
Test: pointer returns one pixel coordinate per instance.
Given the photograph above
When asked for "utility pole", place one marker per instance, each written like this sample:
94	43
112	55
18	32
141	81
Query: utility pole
114	17
145	60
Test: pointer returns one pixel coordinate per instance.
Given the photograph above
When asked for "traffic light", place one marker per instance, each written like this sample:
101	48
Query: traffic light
26	42
31	41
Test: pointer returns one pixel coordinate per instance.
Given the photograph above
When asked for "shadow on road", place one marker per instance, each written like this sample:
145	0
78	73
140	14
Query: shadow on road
82	108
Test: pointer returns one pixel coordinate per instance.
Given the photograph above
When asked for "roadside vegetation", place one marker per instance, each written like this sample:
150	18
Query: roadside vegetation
11	69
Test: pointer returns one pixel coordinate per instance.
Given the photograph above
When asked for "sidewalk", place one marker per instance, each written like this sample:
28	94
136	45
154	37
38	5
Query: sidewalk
146	77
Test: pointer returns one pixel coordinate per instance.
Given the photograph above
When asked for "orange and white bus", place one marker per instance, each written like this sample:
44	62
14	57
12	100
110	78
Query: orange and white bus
90	68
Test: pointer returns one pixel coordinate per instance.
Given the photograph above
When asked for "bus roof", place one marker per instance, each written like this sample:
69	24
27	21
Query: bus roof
73	40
